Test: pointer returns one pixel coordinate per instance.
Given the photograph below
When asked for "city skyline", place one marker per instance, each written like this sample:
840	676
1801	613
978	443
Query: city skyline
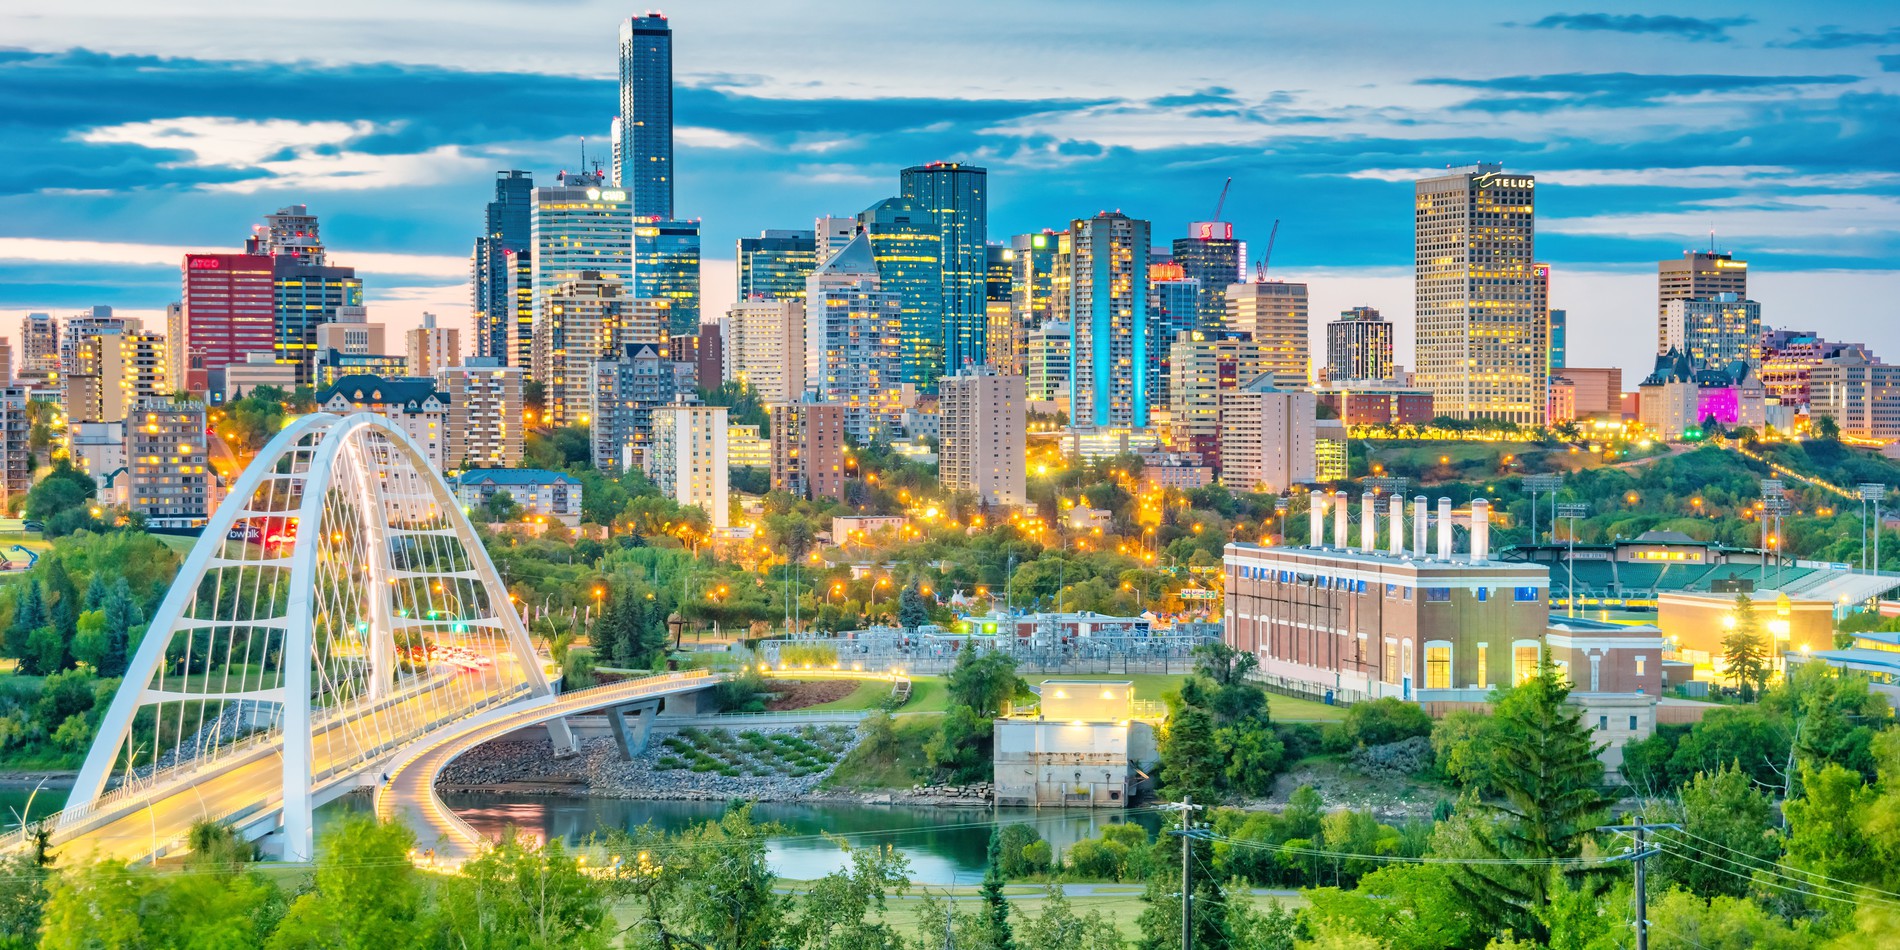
1779	150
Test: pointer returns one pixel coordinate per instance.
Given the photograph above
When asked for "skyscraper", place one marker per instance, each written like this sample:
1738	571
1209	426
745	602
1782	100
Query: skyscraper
575	226
502	282
853	340
1712	331
1002	346
983	434
774	265
291	232
1202	365
228	314
1174	302
581	322
1700	274
1480	344
1274	313
1210	255
643	153
1032	259
1359	346
1103	264
666	267
307	296
687	457
955	197
907	247
39	346
831	234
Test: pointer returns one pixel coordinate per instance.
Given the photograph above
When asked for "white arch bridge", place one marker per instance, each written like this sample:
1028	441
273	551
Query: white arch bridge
337	621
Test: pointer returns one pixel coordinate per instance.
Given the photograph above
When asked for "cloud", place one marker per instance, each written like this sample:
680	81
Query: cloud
692	136
1720	177
282	154
214	141
1833	37
1681	27
1537	93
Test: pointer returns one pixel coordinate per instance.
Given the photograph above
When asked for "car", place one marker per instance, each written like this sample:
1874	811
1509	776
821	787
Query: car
34	526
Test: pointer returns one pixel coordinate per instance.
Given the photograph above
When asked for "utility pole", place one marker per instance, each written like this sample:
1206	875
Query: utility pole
1187	808
1572	511
1642	853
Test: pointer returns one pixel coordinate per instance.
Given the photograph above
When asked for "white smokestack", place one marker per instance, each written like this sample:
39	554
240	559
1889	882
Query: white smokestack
1421	526
1316	513
1396	540
1369	522
1480	530
1444	529
1339	520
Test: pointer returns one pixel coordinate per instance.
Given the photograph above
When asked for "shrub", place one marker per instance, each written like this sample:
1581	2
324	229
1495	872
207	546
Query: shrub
1383	721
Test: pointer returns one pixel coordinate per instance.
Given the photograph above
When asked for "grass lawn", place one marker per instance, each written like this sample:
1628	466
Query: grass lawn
1151	686
180	544
868	695
906	768
1121	903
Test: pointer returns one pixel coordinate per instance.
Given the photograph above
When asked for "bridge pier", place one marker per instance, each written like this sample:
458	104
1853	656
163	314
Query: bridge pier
684	704
632	736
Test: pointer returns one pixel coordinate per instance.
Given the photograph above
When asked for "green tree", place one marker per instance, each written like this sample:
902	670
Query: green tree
29	615
996	924
960	748
1190	760
23	892
498	508
844	910
1724	816
515	895
1746	649
912	612
983	680
1546	772
1059	927
365	894
709	886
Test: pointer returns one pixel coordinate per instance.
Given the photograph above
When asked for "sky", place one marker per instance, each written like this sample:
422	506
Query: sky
131	133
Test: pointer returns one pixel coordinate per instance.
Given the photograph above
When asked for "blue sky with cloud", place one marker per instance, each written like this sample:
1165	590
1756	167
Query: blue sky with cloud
129	133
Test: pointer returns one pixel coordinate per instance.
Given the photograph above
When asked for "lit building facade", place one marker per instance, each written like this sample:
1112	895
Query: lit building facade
1210	255
411	405
578	226
1266	438
39	347
808	449
1202	365
1047	364
171	483
624	390
854	332
1173	309
502	273
228	312
643	152
1359	346
1699	275
1861	396
955	196
982	435
1274	313
580	321
485	425
113	371
431	348
775	265
904	242
1481	343
765	347
687	458
1713	331
1032	260
666	267
1002	344
1102	270
307	296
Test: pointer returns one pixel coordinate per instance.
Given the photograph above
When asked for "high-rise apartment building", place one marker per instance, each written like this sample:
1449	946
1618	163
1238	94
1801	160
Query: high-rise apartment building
1102	274
907	247
830	234
1480	335
808	449
1267	438
983	432
39	347
228	312
577	226
687	459
1002	345
503	273
485	424
432	348
581	322
624	389
171	483
1174	302
1048	362
114	370
81	326
1210	255
955	196
666	267
1712	331
854	329
1032	259
290	233
1700	274
765	347
1359	346
643	151
16	454
1274	313
1203	364
1861	395
6	362
775	264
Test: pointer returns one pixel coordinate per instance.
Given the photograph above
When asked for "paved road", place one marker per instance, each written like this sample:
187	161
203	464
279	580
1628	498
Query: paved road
409	794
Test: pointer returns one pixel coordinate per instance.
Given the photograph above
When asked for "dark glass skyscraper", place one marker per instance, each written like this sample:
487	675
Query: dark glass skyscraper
955	196
1210	255
502	282
643	153
907	246
774	265
666	267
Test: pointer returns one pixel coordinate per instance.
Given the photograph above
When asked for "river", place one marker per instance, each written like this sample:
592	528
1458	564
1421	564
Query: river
945	845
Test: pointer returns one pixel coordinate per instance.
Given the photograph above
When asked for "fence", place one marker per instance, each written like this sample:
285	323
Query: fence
1113	651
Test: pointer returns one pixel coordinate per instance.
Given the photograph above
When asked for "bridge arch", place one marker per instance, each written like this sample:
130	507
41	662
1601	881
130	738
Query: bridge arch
337	608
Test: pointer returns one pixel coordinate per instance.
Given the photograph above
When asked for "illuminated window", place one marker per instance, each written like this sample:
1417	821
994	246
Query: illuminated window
1523	663
1437	666
1391	671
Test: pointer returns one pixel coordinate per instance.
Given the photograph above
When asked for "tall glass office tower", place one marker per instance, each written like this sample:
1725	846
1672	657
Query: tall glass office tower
1482	347
1102	269
666	267
774	265
954	195
577	227
643	153
1210	255
502	281
906	245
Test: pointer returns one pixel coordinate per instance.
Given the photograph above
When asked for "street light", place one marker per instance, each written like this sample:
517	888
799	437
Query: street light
1876	493
1572	511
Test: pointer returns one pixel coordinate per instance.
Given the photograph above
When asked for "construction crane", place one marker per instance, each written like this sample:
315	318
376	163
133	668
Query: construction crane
1222	203
1267	259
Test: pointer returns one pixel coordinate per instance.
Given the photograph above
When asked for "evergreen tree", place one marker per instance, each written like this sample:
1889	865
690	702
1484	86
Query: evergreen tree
911	611
122	614
62	600
1746	650
606	633
1190	761
28	616
1546	773
1000	936
95	592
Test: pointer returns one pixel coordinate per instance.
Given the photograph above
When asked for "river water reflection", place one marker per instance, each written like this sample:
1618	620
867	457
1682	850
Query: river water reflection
945	845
